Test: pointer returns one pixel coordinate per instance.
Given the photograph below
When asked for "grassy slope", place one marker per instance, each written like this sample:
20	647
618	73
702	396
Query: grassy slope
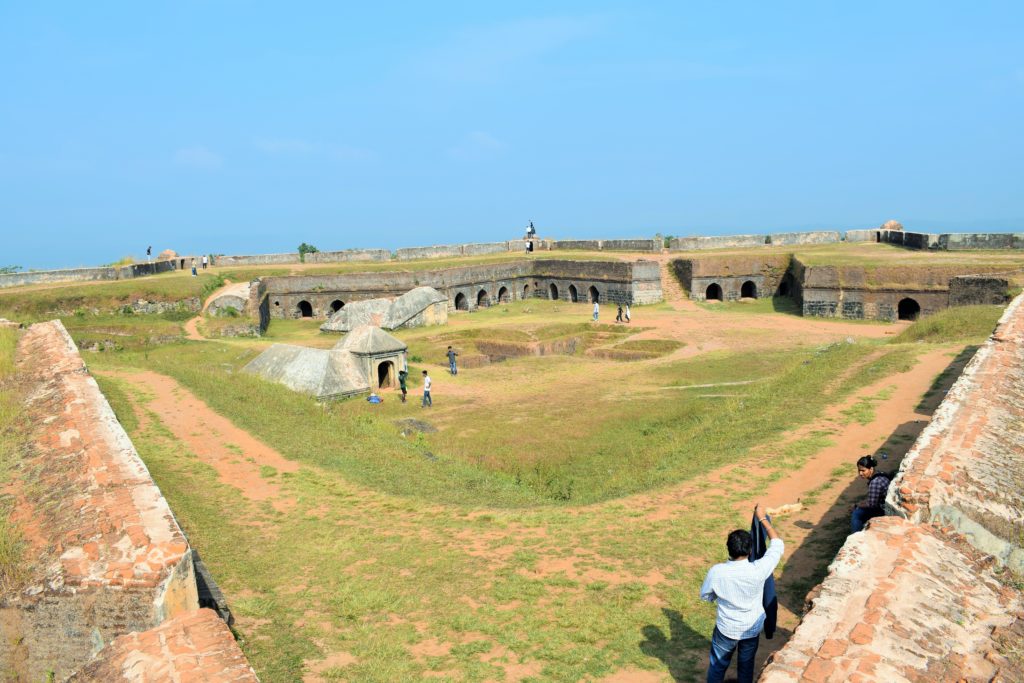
10	412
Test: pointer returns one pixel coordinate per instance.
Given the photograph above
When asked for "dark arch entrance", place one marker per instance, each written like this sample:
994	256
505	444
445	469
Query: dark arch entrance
337	305
786	286
554	292
526	291
482	299
714	292
748	290
460	302
573	294
908	309
595	296
503	295
305	309
385	374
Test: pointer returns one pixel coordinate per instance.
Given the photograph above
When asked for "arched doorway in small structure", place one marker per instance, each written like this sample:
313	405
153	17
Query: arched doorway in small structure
748	290
305	309
503	297
526	291
553	291
713	293
573	294
385	374
337	305
786	285
461	304
908	309
595	296
482	299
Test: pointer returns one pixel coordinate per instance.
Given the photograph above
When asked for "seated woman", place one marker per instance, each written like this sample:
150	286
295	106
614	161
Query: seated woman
878	485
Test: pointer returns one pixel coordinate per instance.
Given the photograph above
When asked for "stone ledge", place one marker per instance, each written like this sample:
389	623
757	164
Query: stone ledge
194	646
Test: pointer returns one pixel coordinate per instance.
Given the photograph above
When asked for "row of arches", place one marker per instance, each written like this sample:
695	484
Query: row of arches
748	290
593	295
305	309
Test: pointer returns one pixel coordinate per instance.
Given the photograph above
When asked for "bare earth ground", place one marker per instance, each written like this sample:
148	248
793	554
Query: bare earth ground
220	444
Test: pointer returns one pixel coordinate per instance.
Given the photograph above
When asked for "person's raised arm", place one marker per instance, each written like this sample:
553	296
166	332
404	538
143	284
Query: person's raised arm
762	516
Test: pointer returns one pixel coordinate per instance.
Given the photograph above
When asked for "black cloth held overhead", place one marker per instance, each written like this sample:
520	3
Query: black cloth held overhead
770	602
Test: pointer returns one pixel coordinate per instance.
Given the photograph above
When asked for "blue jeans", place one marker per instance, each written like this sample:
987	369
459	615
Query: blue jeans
451	368
860	517
426	400
721	654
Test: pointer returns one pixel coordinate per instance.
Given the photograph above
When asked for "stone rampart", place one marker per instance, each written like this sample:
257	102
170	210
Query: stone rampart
436	251
347	255
972	290
795	238
717	242
734	276
862	236
917	596
35	277
972	240
257	259
111	557
484	248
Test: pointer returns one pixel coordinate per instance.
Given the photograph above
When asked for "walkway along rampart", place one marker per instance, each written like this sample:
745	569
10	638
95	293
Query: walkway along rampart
110	558
931	592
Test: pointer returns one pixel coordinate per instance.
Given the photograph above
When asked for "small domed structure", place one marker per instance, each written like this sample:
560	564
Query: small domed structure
167	254
892	225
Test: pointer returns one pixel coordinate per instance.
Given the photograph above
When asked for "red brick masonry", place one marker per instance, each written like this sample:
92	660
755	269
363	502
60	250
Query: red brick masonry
929	594
193	647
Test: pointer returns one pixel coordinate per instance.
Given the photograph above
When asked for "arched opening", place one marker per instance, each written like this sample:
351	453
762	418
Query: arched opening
305	309
482	299
337	305
908	309
595	296
786	285
748	290
385	374
713	293
553	291
573	294
526	291
461	304
503	297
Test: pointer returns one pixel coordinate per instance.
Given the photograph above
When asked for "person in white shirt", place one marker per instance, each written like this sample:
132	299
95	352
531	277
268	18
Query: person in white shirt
738	587
427	402
597	309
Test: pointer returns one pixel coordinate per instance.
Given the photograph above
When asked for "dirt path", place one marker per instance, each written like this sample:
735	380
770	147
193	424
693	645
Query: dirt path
235	454
192	324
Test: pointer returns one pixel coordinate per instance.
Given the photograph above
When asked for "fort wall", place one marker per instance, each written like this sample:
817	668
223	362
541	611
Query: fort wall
109	556
35	277
917	595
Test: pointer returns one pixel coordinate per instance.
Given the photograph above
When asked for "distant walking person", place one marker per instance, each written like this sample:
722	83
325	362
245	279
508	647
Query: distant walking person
618	316
627	313
149	253
402	376
193	267
426	391
206	260
597	310
451	361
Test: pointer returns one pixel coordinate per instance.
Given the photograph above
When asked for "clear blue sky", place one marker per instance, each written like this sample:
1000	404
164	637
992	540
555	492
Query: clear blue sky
241	127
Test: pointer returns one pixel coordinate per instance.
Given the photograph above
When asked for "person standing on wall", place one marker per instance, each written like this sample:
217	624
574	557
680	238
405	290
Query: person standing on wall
597	310
206	260
452	368
427	401
149	253
738	588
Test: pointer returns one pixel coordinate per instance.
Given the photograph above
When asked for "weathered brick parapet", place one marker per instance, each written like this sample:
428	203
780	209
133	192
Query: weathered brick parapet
111	557
193	646
966	470
928	593
905	602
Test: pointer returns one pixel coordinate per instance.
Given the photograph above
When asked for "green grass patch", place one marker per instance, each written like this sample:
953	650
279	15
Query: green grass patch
960	323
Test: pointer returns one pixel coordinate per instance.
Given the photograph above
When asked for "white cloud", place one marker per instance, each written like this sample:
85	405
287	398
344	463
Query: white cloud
477	145
198	156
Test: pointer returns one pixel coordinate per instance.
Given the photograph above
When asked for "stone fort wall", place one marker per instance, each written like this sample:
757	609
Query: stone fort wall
932	591
467	287
110	558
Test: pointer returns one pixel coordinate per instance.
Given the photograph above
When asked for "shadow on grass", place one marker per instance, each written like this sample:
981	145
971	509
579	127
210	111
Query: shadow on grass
681	649
808	566
787	305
